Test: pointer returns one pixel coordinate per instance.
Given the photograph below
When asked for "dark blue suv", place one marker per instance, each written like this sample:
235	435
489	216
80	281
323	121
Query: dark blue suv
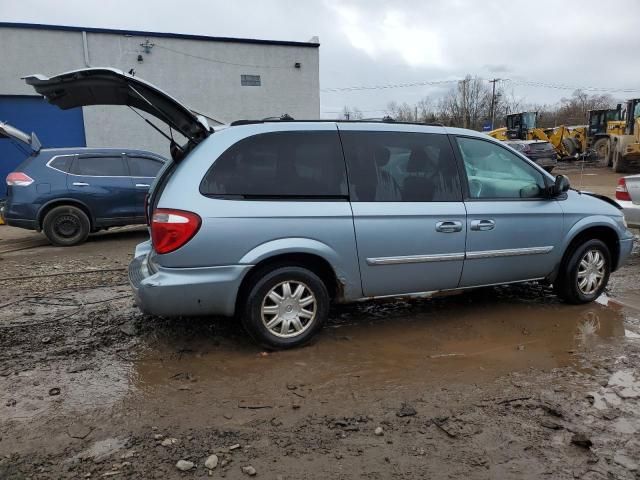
68	193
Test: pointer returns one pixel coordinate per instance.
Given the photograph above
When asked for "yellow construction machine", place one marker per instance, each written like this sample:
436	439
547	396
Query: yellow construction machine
522	126
623	147
590	140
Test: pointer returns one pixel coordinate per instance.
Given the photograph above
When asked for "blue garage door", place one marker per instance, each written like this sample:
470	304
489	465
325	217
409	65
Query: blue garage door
54	128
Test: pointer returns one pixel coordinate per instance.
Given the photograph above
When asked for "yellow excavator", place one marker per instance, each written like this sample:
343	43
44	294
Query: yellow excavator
623	148
522	126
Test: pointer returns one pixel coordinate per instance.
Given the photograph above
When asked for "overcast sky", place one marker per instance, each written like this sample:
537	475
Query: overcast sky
375	42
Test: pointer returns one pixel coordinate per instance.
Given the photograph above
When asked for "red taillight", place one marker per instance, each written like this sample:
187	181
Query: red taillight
171	229
19	179
621	190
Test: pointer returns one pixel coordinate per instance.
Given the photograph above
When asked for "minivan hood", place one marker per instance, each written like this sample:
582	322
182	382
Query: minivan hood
7	131
109	86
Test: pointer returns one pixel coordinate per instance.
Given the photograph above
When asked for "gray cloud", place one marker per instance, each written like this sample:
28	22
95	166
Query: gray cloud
373	42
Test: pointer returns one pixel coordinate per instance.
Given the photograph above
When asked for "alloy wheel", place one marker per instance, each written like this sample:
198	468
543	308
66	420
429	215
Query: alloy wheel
288	309
591	271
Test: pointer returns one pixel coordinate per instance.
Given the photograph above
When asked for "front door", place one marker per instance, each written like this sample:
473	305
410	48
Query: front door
102	182
408	213
514	232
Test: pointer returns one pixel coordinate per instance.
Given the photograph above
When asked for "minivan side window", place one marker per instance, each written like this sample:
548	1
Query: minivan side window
400	167
495	172
100	167
280	165
144	167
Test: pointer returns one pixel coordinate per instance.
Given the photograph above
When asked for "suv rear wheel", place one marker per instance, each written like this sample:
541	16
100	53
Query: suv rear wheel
285	307
585	274
66	225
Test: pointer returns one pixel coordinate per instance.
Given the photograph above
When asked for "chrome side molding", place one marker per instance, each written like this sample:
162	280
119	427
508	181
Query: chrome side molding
447	257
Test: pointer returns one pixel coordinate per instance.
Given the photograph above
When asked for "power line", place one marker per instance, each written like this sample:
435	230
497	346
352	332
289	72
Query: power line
382	87
214	60
526	83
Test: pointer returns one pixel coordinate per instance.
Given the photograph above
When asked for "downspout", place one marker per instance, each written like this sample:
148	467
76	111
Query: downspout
85	48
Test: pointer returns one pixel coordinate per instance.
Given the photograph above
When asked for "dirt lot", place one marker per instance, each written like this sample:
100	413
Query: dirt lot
497	383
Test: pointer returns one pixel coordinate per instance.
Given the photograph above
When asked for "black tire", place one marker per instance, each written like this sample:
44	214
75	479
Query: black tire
601	149
617	164
66	225
257	296
567	284
569	146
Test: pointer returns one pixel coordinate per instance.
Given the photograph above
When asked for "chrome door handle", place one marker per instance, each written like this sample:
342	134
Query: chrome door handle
482	225
142	185
80	184
449	227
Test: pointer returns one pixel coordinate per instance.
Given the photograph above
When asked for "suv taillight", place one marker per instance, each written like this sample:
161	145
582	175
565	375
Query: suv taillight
171	229
621	190
19	179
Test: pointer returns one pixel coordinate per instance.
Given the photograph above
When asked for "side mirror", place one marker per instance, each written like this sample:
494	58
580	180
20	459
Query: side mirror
561	184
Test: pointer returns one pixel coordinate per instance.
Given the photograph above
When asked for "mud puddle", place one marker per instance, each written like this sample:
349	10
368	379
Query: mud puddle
366	350
355	356
475	374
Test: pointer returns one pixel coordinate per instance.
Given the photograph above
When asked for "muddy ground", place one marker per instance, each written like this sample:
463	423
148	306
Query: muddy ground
497	383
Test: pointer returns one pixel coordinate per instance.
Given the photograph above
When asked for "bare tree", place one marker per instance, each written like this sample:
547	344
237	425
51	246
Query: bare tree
351	113
467	105
401	112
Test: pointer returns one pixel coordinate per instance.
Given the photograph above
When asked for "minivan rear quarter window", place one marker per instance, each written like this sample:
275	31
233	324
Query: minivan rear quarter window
401	167
100	167
280	165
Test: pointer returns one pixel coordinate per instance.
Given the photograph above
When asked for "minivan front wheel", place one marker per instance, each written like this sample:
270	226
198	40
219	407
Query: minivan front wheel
586	273
285	307
66	225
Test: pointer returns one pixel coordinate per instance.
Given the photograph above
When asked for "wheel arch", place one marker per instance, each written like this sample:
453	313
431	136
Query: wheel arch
59	202
318	257
603	231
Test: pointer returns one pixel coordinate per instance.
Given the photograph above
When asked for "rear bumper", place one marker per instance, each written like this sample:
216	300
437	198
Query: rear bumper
546	162
631	213
174	292
21	223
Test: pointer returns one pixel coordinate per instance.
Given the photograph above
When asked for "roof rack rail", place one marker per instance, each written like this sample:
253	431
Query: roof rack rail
287	118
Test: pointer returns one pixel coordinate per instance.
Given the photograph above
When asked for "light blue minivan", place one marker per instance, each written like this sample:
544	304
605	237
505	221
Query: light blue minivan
273	220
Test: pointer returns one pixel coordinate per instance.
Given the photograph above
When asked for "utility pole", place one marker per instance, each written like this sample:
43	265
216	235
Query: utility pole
464	102
493	101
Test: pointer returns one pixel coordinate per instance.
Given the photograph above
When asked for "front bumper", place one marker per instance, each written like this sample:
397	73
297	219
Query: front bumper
631	213
626	246
173	292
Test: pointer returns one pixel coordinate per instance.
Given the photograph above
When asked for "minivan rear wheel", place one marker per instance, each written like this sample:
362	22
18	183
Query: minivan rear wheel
66	225
285	307
585	274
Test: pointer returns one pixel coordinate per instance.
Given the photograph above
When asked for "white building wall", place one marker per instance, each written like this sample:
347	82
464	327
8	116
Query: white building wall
204	75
